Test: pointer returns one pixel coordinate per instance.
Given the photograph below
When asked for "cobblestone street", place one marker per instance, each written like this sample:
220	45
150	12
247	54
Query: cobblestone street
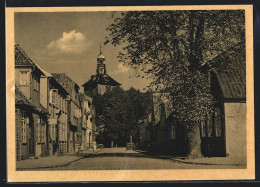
121	159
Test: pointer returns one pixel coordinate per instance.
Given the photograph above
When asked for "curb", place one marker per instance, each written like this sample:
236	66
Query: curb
201	163
55	166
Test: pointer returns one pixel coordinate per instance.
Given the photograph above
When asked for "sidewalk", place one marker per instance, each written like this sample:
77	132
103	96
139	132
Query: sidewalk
232	161
51	161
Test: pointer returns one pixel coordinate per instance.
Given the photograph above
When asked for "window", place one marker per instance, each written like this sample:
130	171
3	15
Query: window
53	96
60	102
203	129
210	127
43	133
65	132
24	78
172	132
52	132
24	121
38	132
60	131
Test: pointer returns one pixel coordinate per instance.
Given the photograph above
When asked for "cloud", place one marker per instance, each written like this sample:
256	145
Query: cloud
122	69
70	42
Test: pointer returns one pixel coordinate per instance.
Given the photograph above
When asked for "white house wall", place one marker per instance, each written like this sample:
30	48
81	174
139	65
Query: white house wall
235	120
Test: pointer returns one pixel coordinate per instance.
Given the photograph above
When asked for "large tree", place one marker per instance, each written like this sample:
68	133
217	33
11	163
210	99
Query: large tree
173	47
117	113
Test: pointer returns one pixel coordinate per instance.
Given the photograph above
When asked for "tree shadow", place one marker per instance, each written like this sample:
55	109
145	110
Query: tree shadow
138	154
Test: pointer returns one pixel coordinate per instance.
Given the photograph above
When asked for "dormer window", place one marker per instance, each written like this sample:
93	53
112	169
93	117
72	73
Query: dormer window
24	78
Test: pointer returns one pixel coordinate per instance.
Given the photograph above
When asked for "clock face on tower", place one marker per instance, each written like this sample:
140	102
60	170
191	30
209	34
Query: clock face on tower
108	87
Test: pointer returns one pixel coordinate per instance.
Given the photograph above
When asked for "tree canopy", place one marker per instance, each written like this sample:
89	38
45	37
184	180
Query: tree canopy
117	113
175	48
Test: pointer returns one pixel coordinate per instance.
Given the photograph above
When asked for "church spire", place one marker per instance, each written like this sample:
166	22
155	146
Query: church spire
101	67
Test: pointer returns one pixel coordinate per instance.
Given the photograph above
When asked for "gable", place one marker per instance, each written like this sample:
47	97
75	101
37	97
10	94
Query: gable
232	74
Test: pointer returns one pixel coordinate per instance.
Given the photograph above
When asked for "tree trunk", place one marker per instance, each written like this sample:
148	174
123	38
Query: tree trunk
112	143
194	142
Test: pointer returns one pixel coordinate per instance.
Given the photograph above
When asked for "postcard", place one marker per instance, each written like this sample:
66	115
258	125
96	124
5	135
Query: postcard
133	93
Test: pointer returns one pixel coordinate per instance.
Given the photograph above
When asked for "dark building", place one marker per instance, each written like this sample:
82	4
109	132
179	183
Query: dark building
101	82
223	133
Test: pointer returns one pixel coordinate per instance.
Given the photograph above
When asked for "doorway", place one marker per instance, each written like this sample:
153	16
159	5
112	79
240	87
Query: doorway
31	137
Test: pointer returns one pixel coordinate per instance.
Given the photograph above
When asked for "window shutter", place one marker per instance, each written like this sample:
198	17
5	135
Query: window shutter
50	96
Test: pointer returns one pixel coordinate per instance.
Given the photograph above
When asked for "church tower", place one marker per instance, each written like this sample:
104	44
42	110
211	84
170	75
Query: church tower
101	66
101	82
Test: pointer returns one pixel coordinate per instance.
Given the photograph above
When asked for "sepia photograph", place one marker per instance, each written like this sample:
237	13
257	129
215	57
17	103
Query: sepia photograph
118	90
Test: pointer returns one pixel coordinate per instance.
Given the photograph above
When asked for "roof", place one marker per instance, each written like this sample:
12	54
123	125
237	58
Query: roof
47	74
232	75
20	98
21	57
42	109
162	101
65	81
101	56
100	79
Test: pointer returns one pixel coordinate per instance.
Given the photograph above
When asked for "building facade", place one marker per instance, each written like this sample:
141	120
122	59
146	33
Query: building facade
31	122
88	121
74	128
224	132
52	117
55	98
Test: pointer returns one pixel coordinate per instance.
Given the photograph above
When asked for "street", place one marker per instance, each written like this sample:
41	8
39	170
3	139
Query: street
120	159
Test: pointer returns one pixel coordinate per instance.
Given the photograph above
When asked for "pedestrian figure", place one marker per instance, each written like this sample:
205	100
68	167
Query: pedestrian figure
77	148
94	146
81	148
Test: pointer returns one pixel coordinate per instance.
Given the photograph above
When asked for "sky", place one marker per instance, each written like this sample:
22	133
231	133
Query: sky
68	42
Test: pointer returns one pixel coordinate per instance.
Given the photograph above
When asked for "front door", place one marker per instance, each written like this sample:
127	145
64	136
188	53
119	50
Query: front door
213	135
31	138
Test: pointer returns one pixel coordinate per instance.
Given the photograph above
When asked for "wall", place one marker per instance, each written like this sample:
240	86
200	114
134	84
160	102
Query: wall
25	89
158	99
44	91
102	89
235	127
